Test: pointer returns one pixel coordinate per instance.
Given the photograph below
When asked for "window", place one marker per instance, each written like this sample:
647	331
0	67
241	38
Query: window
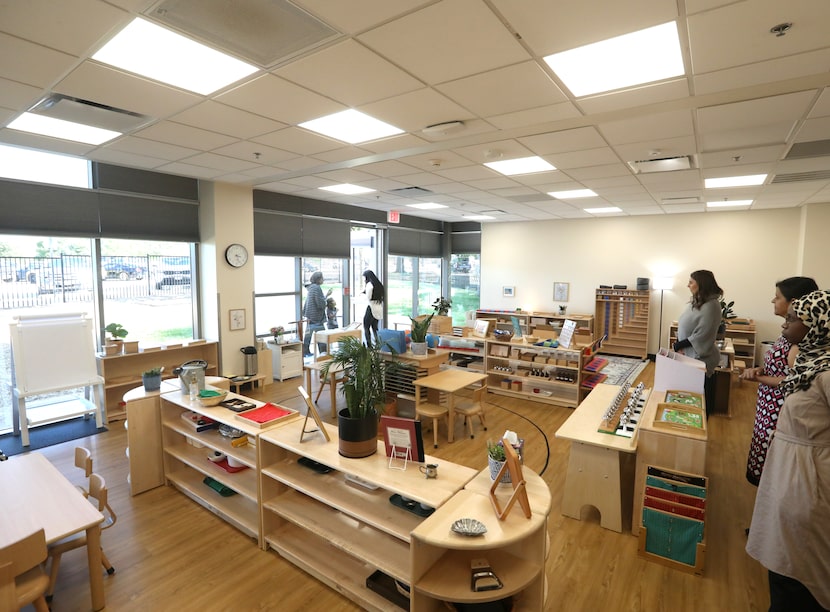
465	283
276	293
413	285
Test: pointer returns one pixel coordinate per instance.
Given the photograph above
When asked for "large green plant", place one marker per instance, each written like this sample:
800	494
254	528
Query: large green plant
420	327
364	372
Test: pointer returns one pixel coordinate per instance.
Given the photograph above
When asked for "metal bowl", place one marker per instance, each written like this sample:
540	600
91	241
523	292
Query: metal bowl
469	527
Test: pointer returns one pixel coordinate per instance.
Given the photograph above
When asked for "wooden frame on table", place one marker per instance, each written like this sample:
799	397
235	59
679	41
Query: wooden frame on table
508	291
561	292
514	467
236	319
311	410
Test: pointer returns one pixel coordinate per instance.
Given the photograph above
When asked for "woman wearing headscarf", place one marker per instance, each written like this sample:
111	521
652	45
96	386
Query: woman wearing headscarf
790	534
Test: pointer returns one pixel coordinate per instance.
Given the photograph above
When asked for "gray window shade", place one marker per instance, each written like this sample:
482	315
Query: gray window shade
414	243
466	243
277	234
430	244
323	238
137	217
32	208
116	178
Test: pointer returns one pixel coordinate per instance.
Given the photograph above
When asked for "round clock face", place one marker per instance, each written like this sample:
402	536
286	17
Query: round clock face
236	255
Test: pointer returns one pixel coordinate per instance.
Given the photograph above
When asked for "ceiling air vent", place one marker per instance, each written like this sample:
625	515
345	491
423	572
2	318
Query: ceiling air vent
412	192
684	200
265	32
802	177
665	164
816	148
58	106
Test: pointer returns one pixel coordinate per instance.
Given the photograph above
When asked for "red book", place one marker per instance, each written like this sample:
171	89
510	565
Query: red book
264	415
402	437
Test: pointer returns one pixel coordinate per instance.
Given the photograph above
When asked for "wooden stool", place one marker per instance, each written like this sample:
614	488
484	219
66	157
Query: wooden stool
473	408
434	412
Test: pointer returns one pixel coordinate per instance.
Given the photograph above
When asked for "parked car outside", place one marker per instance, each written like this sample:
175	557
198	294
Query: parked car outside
170	271
121	270
50	279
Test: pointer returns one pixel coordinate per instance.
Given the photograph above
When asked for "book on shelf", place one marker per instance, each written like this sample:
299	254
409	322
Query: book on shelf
402	438
198	422
265	415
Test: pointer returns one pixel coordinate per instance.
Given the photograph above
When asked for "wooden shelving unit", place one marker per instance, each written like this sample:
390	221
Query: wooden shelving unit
531	320
742	335
465	352
622	318
123	372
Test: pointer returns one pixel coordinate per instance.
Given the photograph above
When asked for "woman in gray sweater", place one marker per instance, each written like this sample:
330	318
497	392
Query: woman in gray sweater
697	327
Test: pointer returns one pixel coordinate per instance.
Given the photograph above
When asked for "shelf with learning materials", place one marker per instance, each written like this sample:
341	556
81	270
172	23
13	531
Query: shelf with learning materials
232	495
622	319
553	375
465	352
532	320
743	337
335	529
123	372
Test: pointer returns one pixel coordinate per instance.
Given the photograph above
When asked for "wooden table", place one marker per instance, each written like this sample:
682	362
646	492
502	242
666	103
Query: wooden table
330	336
316	366
449	382
36	495
598	467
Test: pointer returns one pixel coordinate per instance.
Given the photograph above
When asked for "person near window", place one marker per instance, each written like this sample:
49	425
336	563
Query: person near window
770	375
331	313
314	311
792	508
697	328
374	311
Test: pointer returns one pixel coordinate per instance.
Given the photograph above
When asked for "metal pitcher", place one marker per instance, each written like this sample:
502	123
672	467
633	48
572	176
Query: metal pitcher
191	371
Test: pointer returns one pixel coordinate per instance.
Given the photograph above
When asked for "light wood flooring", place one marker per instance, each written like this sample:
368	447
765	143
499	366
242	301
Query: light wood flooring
171	554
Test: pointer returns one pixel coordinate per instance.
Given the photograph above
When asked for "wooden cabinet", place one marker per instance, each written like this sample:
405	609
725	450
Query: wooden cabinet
123	372
337	531
622	319
515	549
186	461
742	338
286	360
544	374
531	320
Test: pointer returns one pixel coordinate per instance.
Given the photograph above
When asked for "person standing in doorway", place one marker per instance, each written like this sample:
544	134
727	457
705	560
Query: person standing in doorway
374	311
314	311
697	328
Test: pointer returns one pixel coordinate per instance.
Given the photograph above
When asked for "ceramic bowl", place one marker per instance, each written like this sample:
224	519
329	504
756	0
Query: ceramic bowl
531	339
209	397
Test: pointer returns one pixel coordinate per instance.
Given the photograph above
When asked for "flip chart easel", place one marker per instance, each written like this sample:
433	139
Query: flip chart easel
50	353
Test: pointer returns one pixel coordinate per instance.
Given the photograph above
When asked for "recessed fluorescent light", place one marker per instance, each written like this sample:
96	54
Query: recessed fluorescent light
478	217
640	57
521	165
599	211
728	203
59	128
572	194
351	126
157	53
735	181
347	189
426	206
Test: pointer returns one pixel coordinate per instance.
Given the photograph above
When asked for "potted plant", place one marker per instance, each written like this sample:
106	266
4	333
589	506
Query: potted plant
726	314
418	334
116	331
364	375
278	333
496	459
441	306
152	379
441	323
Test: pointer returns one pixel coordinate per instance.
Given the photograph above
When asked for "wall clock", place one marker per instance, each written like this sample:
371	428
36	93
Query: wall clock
236	255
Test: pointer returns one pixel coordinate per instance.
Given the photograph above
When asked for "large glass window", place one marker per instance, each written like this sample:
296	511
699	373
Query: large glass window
413	285
276	293
465	285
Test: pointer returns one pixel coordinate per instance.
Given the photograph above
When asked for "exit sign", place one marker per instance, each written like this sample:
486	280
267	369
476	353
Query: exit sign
393	216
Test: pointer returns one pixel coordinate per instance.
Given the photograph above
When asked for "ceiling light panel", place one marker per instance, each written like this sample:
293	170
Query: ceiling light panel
735	181
604	210
522	165
65	130
572	194
728	203
347	189
427	206
351	126
160	54
632	59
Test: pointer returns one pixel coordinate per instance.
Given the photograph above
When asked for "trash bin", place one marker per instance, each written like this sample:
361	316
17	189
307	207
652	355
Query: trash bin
250	353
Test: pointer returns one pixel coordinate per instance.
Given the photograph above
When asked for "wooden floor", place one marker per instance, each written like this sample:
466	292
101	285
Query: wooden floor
171	554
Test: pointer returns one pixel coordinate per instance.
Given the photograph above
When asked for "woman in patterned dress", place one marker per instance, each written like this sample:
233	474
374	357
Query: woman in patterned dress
770	375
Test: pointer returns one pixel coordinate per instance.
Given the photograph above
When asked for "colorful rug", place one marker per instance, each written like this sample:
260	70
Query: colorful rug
620	370
48	435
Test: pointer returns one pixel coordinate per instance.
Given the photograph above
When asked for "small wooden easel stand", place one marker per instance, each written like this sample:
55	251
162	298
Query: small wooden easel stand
513	466
312	411
394	457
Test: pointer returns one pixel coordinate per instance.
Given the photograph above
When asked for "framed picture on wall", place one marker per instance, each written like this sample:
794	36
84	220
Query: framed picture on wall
237	319
561	292
508	291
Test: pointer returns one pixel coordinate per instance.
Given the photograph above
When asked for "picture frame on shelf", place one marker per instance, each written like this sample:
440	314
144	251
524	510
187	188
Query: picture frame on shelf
481	328
236	318
508	291
561	292
311	411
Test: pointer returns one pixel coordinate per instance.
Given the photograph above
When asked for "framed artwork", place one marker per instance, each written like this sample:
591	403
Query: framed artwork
482	328
237	319
508	291
561	292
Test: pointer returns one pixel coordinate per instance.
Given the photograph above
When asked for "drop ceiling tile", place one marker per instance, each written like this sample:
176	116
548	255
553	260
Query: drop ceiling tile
465	30
14	95
644	210
656	126
149	148
210	115
467	173
822	105
254	152
578	139
299	141
658	149
623	181
684	208
748	155
42	66
342	154
675	89
395	143
415	110
504	90
754	112
533	116
680	179
499	150
757	136
355	177
349	73
278	99
581	159
104	85
44	143
220	162
191	170
122	158
358	15
184	135
280	187
814	129
300	163
391	168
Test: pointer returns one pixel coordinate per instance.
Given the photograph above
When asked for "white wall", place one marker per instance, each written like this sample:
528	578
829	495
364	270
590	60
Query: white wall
747	251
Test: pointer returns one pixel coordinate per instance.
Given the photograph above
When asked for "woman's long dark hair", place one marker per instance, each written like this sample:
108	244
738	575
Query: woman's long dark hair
796	287
707	288
377	286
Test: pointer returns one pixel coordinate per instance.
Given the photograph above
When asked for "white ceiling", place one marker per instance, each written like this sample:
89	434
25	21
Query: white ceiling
747	97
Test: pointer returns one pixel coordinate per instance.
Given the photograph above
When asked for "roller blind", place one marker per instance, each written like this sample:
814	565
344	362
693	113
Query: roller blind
33	208
414	243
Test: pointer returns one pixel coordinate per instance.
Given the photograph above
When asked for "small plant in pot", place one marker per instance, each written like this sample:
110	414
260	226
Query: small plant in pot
442	306
726	314
364	376
116	331
496	459
418	334
152	379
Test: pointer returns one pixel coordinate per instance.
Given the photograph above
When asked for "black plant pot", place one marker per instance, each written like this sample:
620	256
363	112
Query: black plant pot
357	437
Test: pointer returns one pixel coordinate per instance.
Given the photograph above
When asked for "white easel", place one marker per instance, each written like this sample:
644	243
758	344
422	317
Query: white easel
51	353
